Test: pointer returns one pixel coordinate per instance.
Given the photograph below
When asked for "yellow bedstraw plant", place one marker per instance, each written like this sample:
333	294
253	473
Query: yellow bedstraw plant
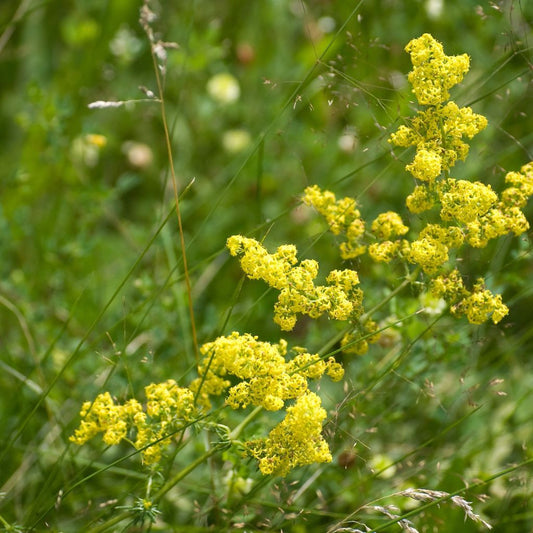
249	372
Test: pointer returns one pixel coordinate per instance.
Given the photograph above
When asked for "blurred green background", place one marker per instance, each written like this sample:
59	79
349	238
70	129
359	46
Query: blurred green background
92	295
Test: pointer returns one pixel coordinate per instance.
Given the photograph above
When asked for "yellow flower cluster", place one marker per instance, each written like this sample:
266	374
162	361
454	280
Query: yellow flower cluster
521	186
340	298
421	199
434	72
470	212
342	217
265	377
503	215
477	305
296	441
103	416
256	373
437	133
465	201
169	408
248	372
257	263
430	249
387	226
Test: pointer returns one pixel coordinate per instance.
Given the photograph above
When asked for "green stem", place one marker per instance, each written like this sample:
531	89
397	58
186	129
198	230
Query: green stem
407	281
7	525
176	200
113	521
130	513
186	471
234	435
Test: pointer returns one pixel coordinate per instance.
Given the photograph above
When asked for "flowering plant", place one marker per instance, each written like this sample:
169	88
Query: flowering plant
446	215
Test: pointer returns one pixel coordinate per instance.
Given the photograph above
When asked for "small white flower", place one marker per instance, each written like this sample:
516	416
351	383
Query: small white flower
125	45
430	305
139	154
235	141
434	8
224	88
326	24
347	142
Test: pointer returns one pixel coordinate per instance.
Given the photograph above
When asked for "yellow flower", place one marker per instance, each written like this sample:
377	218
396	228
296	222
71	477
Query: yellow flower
266	378
420	200
438	134
426	166
429	253
354	344
434	72
298	292
384	252
465	201
296	441
342	216
168	408
478	305
388	225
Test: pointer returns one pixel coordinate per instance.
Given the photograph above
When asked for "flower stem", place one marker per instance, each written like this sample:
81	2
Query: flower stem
238	430
176	198
130	513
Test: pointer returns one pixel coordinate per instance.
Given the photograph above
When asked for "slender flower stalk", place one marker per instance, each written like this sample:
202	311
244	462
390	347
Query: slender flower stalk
159	58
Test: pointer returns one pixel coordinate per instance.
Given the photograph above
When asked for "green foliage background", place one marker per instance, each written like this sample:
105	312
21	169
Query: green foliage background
91	288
